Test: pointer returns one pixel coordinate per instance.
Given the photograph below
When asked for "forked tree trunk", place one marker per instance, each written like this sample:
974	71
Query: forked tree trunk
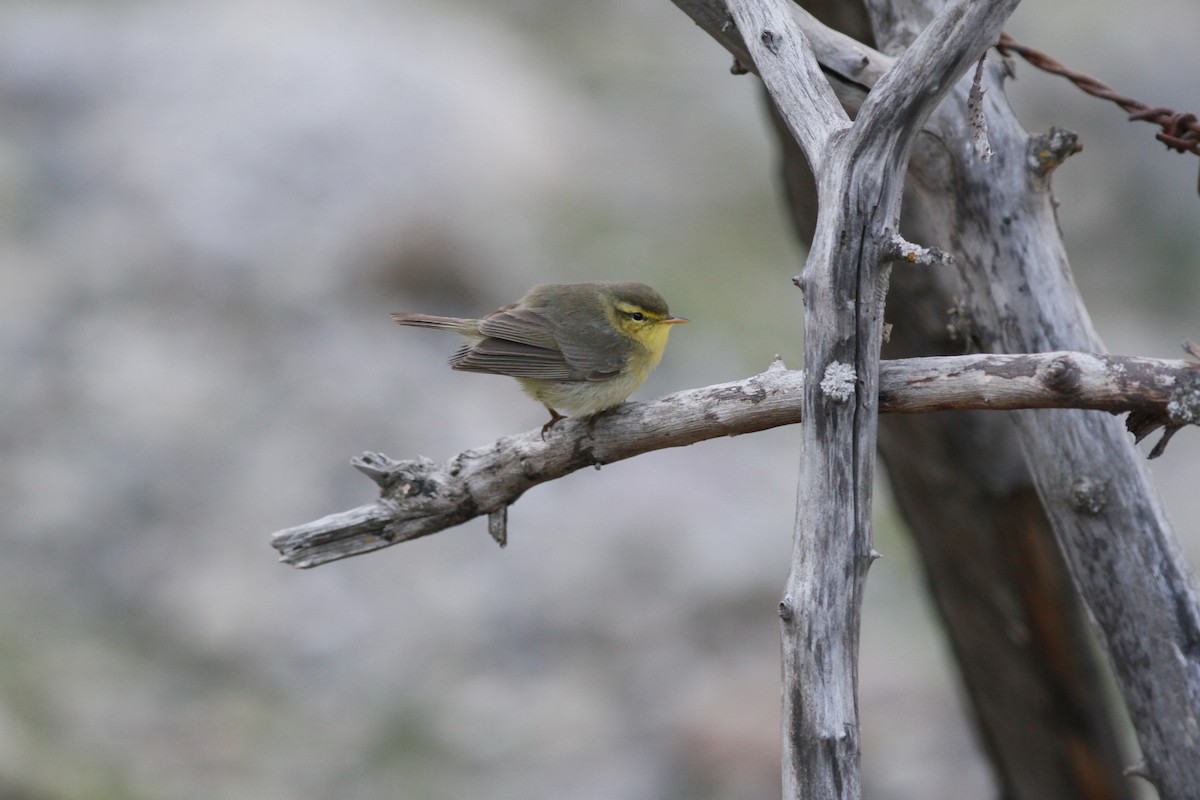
995	574
997	219
860	170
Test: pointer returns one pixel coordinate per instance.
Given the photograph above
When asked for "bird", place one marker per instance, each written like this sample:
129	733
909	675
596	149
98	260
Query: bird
579	349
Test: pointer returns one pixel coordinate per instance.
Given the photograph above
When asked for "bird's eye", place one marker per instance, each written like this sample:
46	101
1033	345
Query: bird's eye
637	315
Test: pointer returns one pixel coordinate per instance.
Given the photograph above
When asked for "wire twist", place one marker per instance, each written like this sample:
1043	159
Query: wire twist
1180	131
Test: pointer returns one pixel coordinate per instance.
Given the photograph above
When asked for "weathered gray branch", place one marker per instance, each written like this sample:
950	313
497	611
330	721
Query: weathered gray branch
1039	702
998	221
851	66
419	498
784	58
860	178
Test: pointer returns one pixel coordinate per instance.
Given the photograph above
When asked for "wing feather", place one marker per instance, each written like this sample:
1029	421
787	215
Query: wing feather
532	326
538	343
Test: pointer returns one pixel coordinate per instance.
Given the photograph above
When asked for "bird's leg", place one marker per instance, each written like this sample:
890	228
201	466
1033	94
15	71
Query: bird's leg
554	418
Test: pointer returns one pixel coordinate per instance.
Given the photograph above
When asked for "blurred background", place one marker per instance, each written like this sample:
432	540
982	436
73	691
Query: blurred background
207	210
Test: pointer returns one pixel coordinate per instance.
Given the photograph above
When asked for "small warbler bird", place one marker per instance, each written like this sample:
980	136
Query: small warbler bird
576	348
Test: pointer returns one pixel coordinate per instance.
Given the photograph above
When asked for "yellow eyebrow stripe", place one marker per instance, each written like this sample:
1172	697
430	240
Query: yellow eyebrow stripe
630	308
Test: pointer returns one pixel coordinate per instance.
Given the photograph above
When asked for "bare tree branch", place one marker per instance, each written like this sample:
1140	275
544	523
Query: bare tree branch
784	59
851	66
999	222
959	479
419	498
845	279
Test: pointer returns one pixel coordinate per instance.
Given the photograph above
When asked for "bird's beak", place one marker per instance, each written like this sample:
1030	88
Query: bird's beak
674	320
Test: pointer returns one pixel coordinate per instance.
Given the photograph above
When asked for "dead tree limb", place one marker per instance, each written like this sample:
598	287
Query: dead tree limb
998	221
419	497
860	172
1039	702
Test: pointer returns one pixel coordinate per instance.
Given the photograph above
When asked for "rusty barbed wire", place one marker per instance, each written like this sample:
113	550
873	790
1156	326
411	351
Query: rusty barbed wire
1180	131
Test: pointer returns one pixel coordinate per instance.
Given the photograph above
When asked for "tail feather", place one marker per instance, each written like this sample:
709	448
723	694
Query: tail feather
466	327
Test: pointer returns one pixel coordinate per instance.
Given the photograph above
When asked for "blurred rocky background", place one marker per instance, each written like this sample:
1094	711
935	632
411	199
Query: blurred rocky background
207	210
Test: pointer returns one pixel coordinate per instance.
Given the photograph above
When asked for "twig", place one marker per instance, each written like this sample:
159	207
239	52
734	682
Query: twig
976	116
420	497
898	250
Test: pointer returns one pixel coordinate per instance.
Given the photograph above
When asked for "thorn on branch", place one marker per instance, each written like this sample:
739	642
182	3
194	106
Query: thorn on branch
977	120
737	67
1191	348
895	248
770	41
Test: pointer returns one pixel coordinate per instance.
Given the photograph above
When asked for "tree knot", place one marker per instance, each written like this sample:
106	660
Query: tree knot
1089	496
770	40
1061	376
787	608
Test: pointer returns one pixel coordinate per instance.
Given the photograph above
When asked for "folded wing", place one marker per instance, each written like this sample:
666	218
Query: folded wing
528	343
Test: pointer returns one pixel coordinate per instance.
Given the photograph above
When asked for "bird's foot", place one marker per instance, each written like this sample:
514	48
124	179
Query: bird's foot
555	417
